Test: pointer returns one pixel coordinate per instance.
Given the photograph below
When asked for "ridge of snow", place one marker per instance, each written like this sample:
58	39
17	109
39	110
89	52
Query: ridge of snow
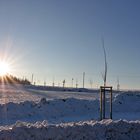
84	130
52	110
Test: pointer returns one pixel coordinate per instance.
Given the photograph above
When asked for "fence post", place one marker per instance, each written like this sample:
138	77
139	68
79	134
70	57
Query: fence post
101	105
103	90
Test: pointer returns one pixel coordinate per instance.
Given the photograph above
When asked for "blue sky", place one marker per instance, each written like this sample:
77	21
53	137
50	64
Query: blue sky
61	39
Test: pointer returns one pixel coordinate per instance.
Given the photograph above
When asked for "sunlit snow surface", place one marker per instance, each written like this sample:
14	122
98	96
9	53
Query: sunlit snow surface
18	93
44	111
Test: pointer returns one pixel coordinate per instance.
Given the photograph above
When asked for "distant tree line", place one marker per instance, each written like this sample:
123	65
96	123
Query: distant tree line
10	79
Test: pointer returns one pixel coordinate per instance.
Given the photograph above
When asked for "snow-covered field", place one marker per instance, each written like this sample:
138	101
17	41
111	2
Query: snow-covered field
37	113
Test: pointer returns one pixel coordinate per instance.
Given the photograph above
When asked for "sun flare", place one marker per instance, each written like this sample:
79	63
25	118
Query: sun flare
4	68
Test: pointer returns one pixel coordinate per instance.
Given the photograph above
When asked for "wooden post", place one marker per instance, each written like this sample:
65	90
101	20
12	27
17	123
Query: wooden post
101	105
111	103
103	90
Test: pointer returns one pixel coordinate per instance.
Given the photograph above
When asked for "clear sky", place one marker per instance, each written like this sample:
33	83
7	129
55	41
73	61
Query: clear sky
61	39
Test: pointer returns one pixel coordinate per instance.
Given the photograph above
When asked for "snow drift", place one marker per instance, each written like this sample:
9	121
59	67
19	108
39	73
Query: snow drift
87	130
125	106
55	111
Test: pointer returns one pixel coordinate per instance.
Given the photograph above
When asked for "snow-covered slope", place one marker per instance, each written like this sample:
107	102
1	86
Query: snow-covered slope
16	94
127	102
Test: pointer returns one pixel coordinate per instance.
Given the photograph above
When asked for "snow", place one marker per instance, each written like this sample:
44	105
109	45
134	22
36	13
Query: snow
126	106
85	130
57	110
16	94
127	102
36	113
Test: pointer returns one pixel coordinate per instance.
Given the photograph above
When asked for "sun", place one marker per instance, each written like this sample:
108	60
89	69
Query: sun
4	68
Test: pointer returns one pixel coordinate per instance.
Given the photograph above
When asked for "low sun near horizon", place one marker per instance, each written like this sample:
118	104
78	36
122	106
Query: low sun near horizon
4	68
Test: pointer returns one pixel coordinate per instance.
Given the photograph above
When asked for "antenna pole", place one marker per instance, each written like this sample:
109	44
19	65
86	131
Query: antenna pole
32	78
72	82
118	85
53	84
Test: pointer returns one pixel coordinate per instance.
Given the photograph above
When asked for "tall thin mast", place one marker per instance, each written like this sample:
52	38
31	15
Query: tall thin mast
83	79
